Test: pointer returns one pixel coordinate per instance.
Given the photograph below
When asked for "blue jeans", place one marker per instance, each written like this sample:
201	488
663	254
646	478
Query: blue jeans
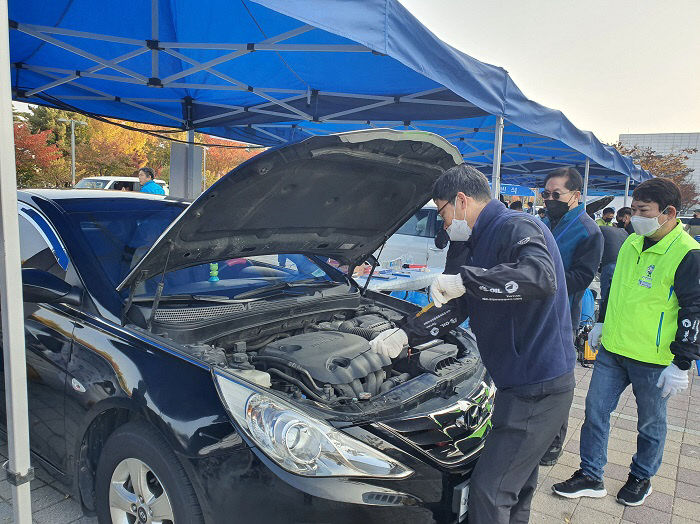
611	375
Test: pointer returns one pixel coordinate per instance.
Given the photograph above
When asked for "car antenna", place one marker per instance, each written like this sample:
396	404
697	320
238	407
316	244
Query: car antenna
375	263
159	290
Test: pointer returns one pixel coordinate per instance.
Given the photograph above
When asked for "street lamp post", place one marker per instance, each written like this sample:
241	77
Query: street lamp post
72	145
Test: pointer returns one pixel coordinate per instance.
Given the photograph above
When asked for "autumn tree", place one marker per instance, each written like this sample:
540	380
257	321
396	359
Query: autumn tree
221	160
669	165
47	118
111	151
37	161
116	149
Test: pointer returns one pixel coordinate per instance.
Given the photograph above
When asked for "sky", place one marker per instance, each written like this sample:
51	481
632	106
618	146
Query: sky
612	66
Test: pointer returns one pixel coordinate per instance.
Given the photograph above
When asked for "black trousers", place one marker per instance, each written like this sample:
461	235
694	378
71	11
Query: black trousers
505	477
560	437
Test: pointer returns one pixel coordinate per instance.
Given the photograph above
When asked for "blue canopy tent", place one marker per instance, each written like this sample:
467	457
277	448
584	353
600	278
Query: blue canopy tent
230	69
525	156
233	69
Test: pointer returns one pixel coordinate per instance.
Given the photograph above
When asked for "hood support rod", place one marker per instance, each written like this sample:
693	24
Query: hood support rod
374	266
159	290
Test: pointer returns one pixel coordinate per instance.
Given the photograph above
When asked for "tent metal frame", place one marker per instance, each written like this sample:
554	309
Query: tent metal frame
18	467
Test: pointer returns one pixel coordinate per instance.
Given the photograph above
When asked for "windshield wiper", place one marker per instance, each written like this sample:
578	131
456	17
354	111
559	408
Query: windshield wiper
186	297
278	286
286	285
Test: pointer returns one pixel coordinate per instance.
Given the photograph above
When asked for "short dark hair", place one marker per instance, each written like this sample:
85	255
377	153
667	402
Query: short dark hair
541	211
663	191
608	210
624	211
530	204
461	178
574	182
516	204
148	171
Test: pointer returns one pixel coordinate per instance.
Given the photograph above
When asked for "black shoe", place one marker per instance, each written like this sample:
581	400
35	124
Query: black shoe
634	492
550	458
580	485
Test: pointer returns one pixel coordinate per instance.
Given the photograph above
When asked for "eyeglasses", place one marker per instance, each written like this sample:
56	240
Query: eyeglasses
443	207
553	194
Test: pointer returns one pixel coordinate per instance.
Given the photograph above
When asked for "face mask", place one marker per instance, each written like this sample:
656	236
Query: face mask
459	230
621	224
607	220
647	226
556	208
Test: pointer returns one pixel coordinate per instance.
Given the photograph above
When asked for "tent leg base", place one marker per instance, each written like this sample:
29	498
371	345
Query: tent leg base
17	479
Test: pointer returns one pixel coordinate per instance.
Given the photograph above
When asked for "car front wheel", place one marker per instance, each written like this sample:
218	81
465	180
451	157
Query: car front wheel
140	481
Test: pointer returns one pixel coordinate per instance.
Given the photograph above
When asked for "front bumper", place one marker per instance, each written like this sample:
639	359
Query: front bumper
245	486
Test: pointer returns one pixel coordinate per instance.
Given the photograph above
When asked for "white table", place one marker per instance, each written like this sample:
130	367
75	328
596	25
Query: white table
417	280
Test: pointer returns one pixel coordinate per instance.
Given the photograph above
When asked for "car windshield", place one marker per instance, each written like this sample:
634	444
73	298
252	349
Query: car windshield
120	232
91	183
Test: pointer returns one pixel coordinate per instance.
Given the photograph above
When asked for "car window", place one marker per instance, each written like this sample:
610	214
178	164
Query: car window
91	183
123	186
418	225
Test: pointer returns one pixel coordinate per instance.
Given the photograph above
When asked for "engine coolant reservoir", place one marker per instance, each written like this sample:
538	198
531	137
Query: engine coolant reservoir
253	375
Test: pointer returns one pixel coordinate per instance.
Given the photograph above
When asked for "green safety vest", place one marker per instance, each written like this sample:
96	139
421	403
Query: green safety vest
642	316
603	223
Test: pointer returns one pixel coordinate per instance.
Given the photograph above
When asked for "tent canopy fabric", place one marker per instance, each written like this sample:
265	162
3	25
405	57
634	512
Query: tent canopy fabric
526	157
250	70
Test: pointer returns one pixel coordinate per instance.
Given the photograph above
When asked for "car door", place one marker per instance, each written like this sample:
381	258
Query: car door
48	336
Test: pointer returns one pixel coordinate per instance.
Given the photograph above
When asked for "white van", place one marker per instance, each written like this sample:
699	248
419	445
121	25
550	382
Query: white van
414	241
116	183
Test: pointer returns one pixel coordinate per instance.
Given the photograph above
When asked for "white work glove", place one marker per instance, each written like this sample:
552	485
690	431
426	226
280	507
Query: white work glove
389	342
672	381
595	334
446	287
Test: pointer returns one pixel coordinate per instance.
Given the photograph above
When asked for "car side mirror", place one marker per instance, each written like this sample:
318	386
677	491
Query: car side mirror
43	287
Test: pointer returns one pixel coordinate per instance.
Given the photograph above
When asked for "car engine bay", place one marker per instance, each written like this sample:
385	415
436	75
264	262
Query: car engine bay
326	357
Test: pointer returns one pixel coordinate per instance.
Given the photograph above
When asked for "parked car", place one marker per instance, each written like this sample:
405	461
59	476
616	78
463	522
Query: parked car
116	183
414	241
208	363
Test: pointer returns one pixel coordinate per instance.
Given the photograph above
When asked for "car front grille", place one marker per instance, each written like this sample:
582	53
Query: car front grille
451	435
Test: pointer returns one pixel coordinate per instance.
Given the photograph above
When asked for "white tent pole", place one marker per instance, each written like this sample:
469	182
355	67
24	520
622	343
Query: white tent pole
496	170
627	190
585	180
19	470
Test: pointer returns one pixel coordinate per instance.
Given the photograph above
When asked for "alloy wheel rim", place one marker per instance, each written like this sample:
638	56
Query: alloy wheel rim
137	496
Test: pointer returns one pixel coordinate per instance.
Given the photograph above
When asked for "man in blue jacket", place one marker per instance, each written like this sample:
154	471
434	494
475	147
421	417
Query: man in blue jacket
580	244
148	185
511	285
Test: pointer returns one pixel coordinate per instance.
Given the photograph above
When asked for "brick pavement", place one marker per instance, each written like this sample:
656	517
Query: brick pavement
675	500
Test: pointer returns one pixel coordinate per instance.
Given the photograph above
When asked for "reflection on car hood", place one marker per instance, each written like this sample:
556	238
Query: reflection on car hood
338	196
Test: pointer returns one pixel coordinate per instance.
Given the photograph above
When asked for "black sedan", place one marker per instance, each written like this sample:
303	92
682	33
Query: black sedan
210	362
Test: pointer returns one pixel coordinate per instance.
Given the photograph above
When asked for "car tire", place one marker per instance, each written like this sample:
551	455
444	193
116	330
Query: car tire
162	491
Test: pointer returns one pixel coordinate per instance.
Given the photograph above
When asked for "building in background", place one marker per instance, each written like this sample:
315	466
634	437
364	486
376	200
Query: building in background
669	143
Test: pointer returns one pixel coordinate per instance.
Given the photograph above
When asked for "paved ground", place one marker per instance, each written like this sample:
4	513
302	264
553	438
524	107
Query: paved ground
676	497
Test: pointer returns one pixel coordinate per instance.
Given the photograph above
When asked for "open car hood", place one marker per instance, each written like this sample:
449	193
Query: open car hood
339	196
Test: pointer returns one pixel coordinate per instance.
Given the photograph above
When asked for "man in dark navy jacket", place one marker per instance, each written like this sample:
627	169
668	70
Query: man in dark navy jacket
511	285
580	244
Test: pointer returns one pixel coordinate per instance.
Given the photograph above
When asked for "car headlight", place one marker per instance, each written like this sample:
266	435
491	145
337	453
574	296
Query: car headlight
300	443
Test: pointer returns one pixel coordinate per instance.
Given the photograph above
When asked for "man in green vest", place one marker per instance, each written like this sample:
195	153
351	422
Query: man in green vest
606	219
649	339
